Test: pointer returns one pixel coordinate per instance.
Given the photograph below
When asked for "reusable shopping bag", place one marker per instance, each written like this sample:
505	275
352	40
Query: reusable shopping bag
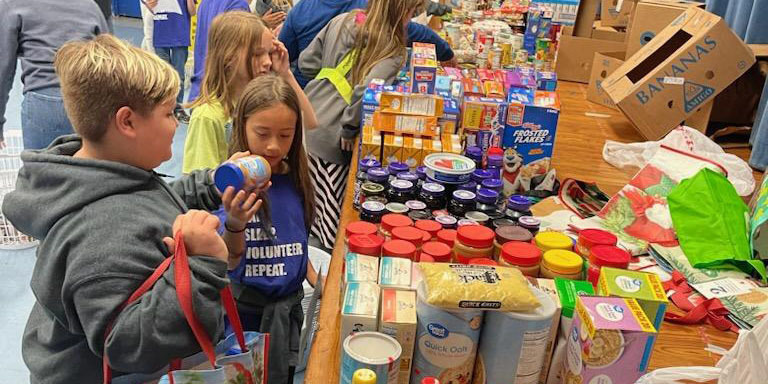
711	223
241	358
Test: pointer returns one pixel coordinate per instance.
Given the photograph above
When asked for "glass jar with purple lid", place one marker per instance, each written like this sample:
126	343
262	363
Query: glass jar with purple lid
396	167
468	186
412	177
372	211
433	195
415	205
400	191
362	176
495	165
486	200
518	206
476	155
496	185
448	222
530	223
461	203
480	175
378	176
421	172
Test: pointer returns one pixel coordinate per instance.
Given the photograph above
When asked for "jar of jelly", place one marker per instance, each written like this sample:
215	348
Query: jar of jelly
246	172
476	155
419	214
530	223
486	200
421	172
398	208
462	202
503	222
396	167
372	211
448	222
479	175
478	217
433	195
495	165
409	176
379	176
415	205
468	186
493	216
518	206
369	190
362	176
400	191
495	185
378	199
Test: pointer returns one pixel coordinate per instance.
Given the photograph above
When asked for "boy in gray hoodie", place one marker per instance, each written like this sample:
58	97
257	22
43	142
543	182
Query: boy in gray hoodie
105	221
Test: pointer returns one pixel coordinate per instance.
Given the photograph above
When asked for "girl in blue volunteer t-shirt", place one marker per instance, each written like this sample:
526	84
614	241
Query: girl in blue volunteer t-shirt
268	251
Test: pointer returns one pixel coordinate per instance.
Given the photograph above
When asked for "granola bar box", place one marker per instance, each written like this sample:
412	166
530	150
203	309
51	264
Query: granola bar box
610	342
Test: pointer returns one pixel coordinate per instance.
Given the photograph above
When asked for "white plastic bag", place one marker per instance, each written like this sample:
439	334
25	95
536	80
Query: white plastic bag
686	139
745	363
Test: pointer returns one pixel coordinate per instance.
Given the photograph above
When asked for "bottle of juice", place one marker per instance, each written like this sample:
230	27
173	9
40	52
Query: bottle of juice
245	173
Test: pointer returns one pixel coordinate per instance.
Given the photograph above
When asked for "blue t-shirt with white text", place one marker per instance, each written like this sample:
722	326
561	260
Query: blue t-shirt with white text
171	29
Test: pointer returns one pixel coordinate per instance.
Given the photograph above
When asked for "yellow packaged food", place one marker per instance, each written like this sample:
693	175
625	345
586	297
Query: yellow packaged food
452	286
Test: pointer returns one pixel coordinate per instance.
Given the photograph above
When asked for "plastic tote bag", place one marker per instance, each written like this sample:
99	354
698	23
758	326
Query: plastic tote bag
241	358
745	363
711	223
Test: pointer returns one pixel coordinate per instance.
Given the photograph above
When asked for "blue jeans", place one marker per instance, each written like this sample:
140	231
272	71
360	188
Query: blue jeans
43	118
177	57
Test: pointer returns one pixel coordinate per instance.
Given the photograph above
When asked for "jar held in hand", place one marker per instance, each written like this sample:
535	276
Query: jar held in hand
249	173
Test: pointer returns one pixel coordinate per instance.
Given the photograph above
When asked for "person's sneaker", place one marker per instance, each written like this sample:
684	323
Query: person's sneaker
181	116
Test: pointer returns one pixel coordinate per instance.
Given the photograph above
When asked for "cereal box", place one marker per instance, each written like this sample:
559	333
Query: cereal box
370	144
546	81
485	75
451	144
423	68
443	86
529	137
398	319
494	89
411	104
412	151
481	113
520	79
472	87
395	272
392	149
610	341
449	122
482	139
360	311
405	124
360	268
644	287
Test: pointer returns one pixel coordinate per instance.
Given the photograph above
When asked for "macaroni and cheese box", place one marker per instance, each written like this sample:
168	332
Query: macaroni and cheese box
423	68
449	122
472	87
360	268
405	124
411	104
529	136
360	310
412	151
644	287
610	341
482	113
453	73
370	144
395	272
452	144
546	81
398	319
392	150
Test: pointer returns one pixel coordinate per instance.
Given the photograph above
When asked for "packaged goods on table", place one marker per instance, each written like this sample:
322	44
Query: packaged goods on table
371	350
360	309
561	263
523	256
372	211
371	144
605	256
550	240
644	287
423	71
398	320
507	232
361	178
392	221
395	272
473	241
567	293
438	251
530	223
360	268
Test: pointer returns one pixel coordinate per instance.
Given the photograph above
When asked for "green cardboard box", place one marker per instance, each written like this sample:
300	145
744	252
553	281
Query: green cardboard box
644	287
569	290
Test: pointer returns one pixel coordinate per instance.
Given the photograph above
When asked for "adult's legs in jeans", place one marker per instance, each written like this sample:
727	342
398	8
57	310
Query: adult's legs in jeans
177	57
43	118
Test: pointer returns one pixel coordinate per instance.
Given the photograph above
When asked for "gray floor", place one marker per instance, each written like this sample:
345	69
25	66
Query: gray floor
16	265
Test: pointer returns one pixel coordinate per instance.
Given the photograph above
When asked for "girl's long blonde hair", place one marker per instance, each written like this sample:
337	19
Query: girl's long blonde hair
230	33
382	35
260	94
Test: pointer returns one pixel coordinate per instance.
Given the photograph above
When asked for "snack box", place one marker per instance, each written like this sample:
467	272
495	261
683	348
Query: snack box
529	136
360	268
546	81
494	89
610	341
395	272
360	310
370	144
482	113
449	121
392	149
644	287
405	124
430	146
520	79
398	319
423	72
412	151
451	143
411	104
472	87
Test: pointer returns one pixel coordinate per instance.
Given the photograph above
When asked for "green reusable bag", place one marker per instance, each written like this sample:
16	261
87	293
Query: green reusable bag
711	223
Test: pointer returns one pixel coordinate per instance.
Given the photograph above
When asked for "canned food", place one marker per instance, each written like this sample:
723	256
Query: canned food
495	58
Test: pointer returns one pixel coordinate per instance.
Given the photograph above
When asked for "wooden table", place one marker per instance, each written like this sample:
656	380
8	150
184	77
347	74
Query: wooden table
582	130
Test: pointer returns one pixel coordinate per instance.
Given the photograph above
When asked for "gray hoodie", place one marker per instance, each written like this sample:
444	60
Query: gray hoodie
100	226
335	118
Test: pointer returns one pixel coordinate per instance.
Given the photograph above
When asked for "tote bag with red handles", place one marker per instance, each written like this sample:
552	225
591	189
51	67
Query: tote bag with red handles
241	358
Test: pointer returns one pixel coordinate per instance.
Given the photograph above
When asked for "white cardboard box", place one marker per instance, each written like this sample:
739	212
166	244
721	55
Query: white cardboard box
398	319
360	311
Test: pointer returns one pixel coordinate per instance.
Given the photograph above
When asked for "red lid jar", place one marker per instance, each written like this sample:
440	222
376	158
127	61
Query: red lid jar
606	256
475	236
425	258
589	238
483	261
369	245
521	255
412	235
430	226
393	220
439	252
447	237
360	228
398	248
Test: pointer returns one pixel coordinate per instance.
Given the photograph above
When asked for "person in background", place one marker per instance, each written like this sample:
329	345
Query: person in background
170	38
241	48
206	12
308	17
268	266
106	10
351	50
148	27
272	11
31	31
